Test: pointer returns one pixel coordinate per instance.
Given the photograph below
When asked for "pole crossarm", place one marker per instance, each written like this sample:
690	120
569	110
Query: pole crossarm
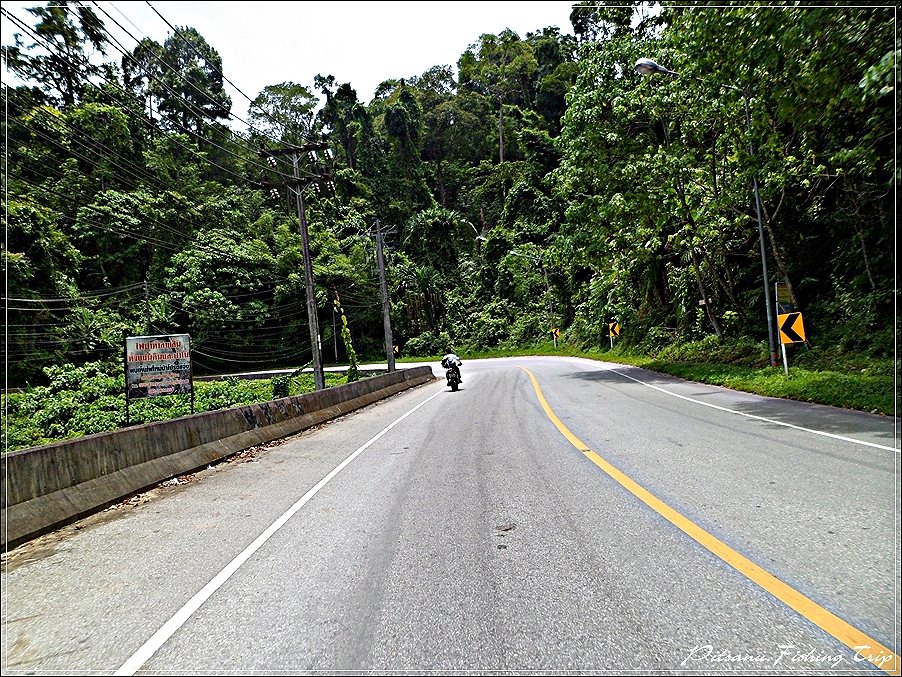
301	178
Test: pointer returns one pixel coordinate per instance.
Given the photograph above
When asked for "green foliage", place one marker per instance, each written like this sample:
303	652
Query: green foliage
65	69
711	350
188	83
88	399
544	183
428	344
353	373
280	385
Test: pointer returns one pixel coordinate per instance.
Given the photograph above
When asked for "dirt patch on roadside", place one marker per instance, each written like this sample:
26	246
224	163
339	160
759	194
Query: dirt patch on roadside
50	543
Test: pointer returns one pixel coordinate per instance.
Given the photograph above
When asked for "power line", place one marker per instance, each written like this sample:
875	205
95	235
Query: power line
82	295
140	114
123	50
238	89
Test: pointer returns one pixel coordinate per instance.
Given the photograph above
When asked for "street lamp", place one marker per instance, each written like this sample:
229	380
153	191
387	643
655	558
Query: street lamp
648	67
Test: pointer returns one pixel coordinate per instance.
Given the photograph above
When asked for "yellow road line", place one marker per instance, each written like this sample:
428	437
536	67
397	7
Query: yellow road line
865	647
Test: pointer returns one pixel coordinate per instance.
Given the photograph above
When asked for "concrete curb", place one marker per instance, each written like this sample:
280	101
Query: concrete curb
54	484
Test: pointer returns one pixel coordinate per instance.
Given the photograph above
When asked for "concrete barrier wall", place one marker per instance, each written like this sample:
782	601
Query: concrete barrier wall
47	486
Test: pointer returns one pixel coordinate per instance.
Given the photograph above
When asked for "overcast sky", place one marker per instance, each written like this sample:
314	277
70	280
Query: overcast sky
364	43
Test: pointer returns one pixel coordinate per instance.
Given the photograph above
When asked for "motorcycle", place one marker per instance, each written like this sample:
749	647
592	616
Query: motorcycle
451	362
452	378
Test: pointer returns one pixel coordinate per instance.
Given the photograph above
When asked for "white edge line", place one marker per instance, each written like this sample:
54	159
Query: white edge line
152	645
758	418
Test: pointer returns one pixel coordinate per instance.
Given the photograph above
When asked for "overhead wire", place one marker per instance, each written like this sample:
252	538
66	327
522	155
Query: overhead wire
78	155
164	244
97	293
220	73
123	50
140	114
117	45
137	173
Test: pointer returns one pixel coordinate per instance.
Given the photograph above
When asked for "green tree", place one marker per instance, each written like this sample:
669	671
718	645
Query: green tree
189	86
286	112
58	59
503	67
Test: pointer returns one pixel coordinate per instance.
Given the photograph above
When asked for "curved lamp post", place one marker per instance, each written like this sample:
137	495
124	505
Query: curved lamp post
648	67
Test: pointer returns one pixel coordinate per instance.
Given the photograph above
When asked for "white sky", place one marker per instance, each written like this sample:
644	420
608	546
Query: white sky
364	43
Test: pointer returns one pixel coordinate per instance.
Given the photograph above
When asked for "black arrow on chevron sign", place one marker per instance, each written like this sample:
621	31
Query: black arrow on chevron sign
787	330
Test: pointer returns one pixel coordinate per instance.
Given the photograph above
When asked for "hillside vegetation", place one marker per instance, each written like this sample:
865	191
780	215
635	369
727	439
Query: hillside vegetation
538	183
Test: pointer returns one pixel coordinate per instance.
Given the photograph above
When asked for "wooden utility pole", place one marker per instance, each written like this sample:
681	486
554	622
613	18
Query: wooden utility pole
298	186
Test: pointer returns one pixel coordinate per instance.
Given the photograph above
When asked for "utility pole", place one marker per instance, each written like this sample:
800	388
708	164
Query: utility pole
299	184
147	305
550	305
386	317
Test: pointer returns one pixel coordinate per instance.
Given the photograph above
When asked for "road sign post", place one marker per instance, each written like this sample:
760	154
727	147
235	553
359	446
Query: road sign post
613	330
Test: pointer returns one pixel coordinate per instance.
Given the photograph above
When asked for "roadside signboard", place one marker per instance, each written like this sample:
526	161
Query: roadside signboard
158	365
791	330
613	330
783	298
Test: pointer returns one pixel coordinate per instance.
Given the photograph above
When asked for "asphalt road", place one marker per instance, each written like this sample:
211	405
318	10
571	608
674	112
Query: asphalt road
634	523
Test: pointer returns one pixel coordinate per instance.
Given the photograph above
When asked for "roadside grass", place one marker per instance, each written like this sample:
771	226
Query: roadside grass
84	401
820	376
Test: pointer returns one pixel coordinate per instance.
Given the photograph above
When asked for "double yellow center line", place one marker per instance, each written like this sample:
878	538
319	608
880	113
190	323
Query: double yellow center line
864	646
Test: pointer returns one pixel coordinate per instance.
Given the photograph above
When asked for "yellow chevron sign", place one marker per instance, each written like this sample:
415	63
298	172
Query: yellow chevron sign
613	329
792	330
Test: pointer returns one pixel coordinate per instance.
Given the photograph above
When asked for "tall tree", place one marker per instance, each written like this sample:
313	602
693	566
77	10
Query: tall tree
58	59
190	85
504	67
141	70
285	111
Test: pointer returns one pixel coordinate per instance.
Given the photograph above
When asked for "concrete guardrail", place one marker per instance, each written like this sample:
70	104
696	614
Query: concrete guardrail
47	486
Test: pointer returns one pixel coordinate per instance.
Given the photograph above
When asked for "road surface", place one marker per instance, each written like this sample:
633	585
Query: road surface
555	514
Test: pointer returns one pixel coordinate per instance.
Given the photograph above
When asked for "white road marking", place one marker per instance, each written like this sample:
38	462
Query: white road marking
758	418
152	645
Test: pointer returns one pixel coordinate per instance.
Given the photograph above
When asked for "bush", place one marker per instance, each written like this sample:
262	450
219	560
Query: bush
427	344
280	386
656	339
91	399
742	351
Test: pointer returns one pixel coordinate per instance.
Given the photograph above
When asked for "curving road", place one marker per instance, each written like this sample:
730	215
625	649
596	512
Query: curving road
555	514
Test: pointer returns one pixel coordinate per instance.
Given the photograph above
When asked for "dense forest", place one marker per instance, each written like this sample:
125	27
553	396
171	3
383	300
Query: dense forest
539	182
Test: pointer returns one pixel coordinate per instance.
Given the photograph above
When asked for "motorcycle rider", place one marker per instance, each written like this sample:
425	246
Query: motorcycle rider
452	361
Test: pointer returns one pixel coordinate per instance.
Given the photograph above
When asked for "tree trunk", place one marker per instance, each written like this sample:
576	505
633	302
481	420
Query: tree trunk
500	131
712	318
724	284
864	256
440	184
781	264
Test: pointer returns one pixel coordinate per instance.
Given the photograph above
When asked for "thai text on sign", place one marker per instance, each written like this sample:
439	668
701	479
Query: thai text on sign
157	365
